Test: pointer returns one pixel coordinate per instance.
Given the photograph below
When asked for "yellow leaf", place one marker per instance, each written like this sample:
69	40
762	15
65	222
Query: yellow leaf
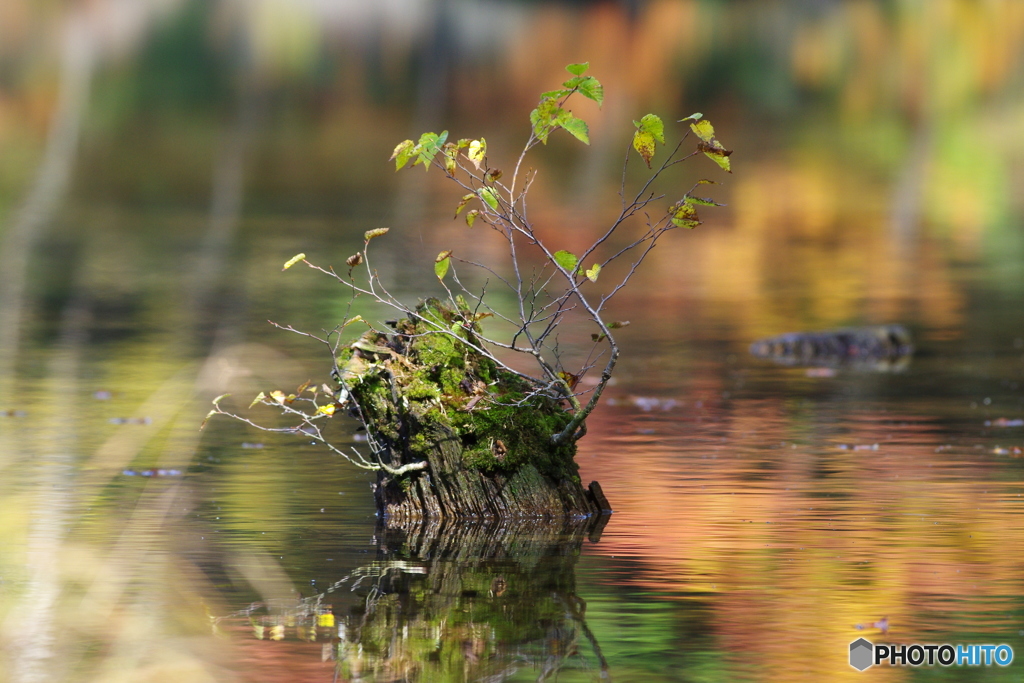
376	232
710	145
259	397
477	152
205	419
278	396
717	153
462	203
326	410
643	142
569	378
704	130
293	260
592	273
404	151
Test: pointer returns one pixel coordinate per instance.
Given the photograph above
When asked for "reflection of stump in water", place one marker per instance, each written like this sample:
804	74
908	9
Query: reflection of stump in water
457	602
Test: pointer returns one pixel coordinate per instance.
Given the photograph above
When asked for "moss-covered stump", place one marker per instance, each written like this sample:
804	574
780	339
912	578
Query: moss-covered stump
429	397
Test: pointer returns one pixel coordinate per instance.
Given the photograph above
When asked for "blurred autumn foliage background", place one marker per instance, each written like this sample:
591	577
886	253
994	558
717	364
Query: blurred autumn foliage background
888	131
160	159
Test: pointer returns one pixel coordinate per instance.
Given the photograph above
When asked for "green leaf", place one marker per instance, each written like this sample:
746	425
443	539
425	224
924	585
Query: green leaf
428	147
471	217
567	260
617	324
592	273
544	118
376	232
703	201
592	90
577	69
477	152
441	263
705	181
451	153
416	150
652	124
650	129
462	203
259	397
692	117
489	197
403	152
588	86
598	337
553	94
578	128
293	260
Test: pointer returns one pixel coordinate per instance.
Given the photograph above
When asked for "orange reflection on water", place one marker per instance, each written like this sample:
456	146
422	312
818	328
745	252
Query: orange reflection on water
802	524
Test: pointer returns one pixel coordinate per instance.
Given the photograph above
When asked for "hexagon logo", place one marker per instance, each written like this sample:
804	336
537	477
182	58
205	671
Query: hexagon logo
861	651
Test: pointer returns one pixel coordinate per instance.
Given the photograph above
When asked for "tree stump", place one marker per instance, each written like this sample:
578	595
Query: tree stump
430	397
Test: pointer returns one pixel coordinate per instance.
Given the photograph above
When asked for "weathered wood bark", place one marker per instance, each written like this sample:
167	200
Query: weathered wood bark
429	397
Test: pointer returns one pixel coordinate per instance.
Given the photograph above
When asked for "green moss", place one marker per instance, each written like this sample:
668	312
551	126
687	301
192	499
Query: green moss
454	392
419	390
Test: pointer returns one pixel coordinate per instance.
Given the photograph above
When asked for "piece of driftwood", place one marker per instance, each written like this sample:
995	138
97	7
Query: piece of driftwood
879	348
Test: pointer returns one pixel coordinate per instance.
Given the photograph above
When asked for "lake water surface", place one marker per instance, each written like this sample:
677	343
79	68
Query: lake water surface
765	515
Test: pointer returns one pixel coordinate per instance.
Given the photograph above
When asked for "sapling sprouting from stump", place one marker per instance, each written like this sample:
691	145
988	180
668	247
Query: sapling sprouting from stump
454	427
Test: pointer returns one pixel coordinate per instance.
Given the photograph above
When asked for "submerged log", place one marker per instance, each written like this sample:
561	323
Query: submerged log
479	435
879	347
